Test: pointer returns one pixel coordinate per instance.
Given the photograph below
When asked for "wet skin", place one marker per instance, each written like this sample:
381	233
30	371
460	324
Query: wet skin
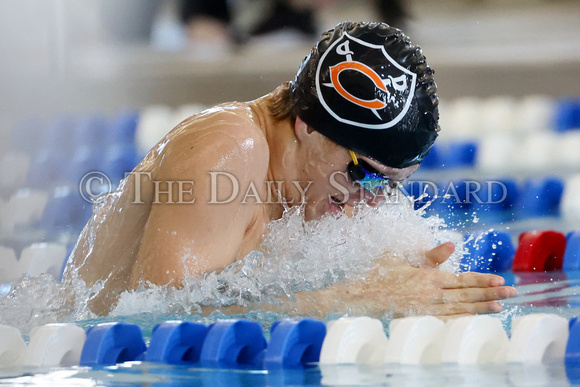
138	235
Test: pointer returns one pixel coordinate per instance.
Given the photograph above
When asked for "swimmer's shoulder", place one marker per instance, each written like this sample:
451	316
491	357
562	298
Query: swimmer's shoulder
229	129
234	119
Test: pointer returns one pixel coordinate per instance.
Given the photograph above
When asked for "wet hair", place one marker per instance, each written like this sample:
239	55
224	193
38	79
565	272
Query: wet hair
281	103
396	138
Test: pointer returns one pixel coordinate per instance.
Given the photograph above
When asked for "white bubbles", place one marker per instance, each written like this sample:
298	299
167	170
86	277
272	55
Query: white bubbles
34	301
299	256
295	256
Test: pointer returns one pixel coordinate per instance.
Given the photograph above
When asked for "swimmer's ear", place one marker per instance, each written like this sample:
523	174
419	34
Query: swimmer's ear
301	129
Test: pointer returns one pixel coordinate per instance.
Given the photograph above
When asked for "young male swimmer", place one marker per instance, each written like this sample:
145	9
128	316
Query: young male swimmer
363	104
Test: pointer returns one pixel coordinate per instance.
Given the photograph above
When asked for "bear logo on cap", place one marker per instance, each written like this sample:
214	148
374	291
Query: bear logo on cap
359	84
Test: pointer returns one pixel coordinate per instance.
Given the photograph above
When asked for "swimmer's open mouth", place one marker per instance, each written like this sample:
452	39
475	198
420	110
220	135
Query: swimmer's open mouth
335	205
335	200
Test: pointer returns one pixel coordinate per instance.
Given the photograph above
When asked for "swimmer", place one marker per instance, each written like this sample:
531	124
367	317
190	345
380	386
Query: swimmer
363	104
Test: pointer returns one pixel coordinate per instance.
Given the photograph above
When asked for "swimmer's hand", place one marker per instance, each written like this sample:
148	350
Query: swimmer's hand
408	291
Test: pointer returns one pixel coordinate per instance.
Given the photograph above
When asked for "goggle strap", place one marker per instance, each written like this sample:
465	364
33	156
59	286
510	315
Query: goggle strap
354	158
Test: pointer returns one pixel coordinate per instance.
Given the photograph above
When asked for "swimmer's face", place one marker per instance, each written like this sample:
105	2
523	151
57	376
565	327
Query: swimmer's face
332	189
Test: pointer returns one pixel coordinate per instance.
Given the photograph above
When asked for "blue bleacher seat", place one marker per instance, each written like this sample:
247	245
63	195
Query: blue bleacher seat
567	115
89	148
25	136
49	164
65	213
91	130
84	160
119	159
123	128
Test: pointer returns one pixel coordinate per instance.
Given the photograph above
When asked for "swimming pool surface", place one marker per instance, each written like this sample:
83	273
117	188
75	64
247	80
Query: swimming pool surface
546	292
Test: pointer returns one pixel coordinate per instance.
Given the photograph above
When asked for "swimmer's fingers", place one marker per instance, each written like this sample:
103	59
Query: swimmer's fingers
467	280
478	294
439	254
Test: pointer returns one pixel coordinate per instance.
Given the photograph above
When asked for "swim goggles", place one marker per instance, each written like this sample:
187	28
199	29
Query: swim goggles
370	178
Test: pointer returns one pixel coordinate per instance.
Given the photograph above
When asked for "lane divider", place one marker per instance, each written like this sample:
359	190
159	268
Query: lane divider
353	340
112	343
572	253
233	344
12	346
488	252
474	340
55	345
295	343
415	340
538	338
573	346
541	250
176	342
301	343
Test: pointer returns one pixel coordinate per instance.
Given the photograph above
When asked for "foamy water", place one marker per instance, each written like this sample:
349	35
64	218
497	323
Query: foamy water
295	256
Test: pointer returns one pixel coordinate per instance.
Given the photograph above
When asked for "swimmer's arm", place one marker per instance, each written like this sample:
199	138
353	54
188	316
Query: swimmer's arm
404	291
446	295
202	235
407	290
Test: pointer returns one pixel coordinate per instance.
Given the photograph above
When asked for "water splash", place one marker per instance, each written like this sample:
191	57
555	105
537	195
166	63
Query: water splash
34	301
295	256
300	256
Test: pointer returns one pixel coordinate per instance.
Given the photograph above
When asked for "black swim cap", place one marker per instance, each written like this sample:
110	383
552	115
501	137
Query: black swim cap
365	87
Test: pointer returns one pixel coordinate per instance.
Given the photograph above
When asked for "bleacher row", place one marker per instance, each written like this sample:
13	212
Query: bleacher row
527	148
504	134
298	343
478	117
41	182
41	201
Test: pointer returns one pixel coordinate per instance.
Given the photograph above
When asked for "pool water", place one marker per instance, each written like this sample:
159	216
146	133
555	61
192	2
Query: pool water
298	256
137	373
555	292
